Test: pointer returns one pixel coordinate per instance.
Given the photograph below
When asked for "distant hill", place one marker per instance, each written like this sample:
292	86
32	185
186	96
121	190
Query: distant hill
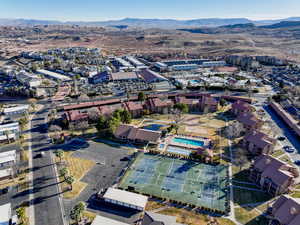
242	26
282	24
152	23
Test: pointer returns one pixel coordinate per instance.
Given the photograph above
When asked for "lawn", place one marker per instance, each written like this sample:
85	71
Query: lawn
286	159
191	218
151	205
243	196
78	168
245	215
295	194
277	153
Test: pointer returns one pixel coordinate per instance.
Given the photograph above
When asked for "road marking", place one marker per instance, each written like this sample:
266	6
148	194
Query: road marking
31	195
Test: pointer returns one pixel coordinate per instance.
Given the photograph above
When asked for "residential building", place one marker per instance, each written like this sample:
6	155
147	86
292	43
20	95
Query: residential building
214	64
193	104
28	79
135	108
240	107
53	75
258	143
273	175
9	131
208	104
151	77
138	135
75	117
249	121
124	76
284	211
156	105
101	77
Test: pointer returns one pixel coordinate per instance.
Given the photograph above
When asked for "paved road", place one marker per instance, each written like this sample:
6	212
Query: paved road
47	208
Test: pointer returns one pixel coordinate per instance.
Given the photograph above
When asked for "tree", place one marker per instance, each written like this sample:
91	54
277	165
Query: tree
183	108
223	102
32	102
234	130
141	97
70	180
23	121
59	154
111	125
93	114
76	212
101	123
241	158
21	213
64	172
54	128
126	117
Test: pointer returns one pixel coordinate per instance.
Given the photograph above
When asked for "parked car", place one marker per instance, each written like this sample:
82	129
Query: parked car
297	162
281	138
289	149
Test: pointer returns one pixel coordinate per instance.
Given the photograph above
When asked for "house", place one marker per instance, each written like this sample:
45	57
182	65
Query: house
76	117
273	175
240	107
135	108
101	77
101	220
156	105
151	77
249	121
135	134
193	104
8	161
9	131
284	211
258	143
208	104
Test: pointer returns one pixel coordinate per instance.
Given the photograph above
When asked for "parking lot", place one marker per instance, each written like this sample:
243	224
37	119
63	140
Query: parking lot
110	161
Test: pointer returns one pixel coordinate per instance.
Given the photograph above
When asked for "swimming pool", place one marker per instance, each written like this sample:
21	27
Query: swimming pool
178	150
154	127
188	141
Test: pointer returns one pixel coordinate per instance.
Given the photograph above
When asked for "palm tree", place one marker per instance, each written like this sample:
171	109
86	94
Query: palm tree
76	212
59	154
70	180
64	172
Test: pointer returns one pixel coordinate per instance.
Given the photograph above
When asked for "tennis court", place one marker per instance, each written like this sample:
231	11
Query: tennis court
197	184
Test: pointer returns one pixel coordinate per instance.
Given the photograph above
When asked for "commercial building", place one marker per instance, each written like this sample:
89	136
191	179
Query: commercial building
14	110
8	131
214	64
5	214
28	79
125	198
101	220
53	75
135	62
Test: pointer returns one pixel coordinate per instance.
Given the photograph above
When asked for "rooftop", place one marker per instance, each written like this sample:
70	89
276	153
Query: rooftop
101	220
5	214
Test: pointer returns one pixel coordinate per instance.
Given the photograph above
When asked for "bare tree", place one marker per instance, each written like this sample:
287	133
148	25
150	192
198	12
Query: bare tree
234	130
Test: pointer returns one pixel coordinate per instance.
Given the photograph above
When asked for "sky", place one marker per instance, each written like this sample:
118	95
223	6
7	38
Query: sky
100	10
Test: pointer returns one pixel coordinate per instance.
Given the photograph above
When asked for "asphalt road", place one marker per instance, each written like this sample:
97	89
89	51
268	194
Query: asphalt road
47	208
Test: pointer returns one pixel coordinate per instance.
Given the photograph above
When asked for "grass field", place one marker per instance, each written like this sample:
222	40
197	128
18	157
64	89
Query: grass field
196	184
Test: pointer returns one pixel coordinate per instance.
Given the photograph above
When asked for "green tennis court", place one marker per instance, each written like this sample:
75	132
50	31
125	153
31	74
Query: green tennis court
197	184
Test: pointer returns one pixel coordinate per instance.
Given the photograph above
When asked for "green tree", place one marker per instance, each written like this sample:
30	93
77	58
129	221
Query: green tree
21	214
64	172
126	117
77	211
141	96
183	108
59	154
117	114
112	125
101	124
70	180
223	102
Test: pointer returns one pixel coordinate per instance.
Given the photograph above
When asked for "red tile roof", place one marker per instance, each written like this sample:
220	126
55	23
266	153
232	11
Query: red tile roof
259	139
76	115
133	106
248	119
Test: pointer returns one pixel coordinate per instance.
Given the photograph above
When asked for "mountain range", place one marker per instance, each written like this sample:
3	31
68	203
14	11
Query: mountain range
150	23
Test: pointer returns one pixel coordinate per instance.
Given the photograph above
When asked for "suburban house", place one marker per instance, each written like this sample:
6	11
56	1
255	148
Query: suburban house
101	220
240	107
284	211
75	117
135	134
258	143
193	104
108	110
156	105
208	104
9	131
272	175
249	121
151	218
135	108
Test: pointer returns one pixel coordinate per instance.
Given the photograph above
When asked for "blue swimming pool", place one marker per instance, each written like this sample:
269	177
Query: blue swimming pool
178	150
154	127
188	141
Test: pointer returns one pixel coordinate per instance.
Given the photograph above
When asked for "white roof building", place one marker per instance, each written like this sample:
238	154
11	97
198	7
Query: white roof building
100	220
6	173
53	75
125	198
9	156
5	214
9	130
15	109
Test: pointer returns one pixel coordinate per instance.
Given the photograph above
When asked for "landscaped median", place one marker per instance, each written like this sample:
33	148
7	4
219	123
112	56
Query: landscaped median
77	167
